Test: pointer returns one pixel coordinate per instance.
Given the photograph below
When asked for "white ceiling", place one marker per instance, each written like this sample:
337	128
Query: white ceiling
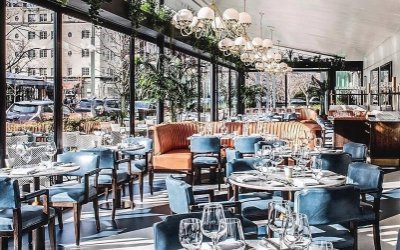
350	28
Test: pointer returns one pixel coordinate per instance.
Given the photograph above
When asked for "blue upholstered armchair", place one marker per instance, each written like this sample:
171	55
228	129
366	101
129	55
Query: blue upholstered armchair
166	232
67	195
332	213
140	160
15	219
358	151
110	177
206	153
368	178
182	197
245	144
335	162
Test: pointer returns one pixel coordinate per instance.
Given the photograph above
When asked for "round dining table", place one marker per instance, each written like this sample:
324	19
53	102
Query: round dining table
276	181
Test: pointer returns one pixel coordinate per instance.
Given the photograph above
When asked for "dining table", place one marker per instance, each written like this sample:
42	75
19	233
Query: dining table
276	180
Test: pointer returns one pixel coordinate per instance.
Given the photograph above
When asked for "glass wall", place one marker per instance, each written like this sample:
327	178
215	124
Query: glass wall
29	77
349	87
302	90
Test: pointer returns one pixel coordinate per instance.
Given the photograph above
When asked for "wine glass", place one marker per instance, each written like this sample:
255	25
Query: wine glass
317	168
190	235
233	236
278	212
276	158
318	142
296	154
213	213
51	150
297	233
20	149
27	155
321	245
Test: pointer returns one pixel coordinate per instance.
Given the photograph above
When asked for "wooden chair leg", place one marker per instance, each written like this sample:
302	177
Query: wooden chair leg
151	179
52	233
4	243
17	240
30	238
123	190
141	177
96	213
377	236
106	193
77	222
114	201
219	176
130	186
60	218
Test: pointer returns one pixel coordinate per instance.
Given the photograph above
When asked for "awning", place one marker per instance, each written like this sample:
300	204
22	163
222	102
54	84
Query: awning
23	80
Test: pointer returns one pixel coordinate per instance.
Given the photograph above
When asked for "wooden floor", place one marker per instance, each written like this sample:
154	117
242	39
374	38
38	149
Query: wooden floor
132	229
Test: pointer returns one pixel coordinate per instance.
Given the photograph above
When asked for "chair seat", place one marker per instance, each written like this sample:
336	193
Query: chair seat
70	193
255	205
31	215
337	234
205	160
105	176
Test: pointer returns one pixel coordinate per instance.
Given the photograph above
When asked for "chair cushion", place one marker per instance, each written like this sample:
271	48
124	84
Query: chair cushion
205	160
337	234
178	159
70	193
105	176
255	205
31	215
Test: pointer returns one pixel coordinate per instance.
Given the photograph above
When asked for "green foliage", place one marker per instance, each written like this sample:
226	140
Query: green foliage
62	2
250	93
94	10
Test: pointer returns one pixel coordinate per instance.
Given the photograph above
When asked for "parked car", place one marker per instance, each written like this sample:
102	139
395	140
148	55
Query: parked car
145	108
35	110
314	100
297	102
85	104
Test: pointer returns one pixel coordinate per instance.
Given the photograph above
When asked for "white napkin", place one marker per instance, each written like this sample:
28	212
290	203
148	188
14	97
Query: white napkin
275	184
247	177
303	182
23	171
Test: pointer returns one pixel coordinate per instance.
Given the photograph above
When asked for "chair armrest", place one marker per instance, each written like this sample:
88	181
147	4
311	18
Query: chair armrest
226	204
38	193
86	181
209	192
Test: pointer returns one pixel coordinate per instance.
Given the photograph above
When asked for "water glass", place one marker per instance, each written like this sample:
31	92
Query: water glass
45	160
321	245
213	213
190	235
318	142
233	236
297	233
9	162
278	212
51	149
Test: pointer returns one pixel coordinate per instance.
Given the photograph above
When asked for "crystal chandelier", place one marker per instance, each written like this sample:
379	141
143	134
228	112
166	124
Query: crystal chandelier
230	29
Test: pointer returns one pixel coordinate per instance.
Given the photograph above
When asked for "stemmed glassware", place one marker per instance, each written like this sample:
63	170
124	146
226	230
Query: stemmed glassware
296	154
321	245
233	236
51	150
278	213
190	235
24	151
318	143
276	158
297	233
213	213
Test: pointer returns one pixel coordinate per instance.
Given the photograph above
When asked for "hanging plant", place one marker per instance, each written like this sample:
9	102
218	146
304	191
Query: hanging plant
63	3
94	10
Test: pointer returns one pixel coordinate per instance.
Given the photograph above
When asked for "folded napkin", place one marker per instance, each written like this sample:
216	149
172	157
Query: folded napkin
303	182
275	184
23	171
247	177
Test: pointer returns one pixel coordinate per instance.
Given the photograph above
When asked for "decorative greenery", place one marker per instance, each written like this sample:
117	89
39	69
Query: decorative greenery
62	2
252	93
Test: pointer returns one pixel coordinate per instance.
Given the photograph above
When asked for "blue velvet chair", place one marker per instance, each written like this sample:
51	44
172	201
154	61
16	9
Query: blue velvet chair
16	218
110	177
245	144
332	213
254	204
66	195
288	117
335	162
166	232
206	153
398	241
368	178
140	160
182	197
358	151
232	154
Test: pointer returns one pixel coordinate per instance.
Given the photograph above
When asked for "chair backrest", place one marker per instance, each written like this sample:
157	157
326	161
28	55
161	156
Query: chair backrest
245	144
87	161
398	241
107	156
335	205
272	143
205	144
336	162
146	142
9	195
240	165
358	151
367	177
180	195
232	154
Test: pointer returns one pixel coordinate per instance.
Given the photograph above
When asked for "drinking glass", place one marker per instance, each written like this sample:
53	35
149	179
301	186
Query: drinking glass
321	245
233	236
27	156
317	168
190	235
9	162
297	233
318	143
276	158
20	149
296	153
213	213
45	159
51	150
278	212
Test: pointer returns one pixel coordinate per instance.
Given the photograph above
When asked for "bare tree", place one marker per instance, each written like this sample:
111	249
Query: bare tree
301	82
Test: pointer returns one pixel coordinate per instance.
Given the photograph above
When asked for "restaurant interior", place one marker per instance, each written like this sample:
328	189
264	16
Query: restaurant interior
199	124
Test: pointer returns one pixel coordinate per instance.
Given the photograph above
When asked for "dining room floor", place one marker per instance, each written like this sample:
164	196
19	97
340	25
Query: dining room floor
132	229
